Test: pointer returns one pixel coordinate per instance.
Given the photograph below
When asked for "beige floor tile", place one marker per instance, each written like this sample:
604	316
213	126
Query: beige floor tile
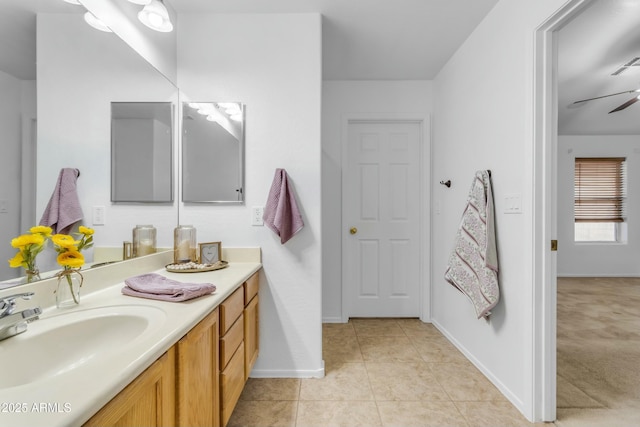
340	348
417	328
570	396
463	382
340	329
388	349
264	414
337	414
342	381
420	414
377	327
271	389
404	381
581	417
438	350
491	414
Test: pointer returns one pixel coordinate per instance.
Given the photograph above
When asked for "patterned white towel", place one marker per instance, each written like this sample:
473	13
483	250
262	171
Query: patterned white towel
473	264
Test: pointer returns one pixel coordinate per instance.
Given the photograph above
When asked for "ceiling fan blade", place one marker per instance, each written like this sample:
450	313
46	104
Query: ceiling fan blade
625	105
606	96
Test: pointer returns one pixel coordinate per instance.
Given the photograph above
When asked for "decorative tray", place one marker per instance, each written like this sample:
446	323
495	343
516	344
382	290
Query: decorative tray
194	267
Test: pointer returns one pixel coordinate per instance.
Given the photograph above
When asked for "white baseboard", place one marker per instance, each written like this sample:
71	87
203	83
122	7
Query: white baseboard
517	402
288	373
332	320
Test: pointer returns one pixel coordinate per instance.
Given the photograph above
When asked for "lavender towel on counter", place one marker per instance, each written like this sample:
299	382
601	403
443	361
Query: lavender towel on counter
281	213
156	286
63	209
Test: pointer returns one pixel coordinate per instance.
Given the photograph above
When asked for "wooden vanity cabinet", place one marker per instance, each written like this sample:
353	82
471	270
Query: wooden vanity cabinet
197	376
251	324
231	353
148	401
198	381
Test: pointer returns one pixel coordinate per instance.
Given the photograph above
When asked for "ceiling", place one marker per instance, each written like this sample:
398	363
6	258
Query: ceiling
593	45
362	39
413	39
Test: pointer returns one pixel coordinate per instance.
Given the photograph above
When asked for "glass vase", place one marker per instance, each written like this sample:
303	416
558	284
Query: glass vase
32	275
68	291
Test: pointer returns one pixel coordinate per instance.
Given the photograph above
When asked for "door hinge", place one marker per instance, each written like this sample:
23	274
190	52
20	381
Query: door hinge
554	245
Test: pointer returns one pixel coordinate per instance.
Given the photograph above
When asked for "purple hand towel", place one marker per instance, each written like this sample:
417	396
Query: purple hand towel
63	209
156	286
281	213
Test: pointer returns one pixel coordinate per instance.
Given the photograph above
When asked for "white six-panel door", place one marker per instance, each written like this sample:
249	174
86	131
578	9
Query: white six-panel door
381	219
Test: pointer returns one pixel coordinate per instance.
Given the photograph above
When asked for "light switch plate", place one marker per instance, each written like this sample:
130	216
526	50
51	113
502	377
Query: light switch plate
256	215
98	215
513	203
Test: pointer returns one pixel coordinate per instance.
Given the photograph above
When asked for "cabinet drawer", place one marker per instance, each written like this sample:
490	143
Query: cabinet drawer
230	342
231	384
231	309
251	288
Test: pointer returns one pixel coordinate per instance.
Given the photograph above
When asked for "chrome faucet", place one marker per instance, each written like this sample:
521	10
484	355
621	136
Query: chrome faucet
15	323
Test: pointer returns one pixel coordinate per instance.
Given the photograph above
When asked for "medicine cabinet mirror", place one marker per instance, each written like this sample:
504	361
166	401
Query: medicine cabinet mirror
141	152
213	152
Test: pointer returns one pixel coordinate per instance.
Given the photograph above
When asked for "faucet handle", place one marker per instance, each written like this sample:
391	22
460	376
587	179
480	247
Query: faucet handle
8	303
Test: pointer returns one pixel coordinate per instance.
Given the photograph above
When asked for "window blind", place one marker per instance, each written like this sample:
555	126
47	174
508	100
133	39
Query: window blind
600	189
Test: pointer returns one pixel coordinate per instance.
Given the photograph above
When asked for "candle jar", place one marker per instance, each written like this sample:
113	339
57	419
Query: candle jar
184	244
144	240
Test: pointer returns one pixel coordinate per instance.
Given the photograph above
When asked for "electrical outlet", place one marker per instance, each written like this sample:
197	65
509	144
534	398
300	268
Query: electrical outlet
98	215
256	215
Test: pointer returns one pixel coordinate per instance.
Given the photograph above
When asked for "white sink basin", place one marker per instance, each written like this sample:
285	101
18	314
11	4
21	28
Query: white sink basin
60	343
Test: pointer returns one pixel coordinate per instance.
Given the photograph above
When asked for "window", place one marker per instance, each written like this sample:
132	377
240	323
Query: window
599	196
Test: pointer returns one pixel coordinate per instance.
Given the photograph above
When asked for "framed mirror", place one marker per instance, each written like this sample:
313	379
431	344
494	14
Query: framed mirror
141	152
213	152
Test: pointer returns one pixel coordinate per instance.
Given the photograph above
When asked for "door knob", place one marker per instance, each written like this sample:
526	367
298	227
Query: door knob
353	230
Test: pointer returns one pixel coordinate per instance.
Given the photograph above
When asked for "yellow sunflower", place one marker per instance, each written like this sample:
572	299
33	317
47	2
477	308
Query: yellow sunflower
64	241
17	261
27	239
71	259
85	230
41	229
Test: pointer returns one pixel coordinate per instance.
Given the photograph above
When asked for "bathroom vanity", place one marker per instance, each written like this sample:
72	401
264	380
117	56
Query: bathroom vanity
137	361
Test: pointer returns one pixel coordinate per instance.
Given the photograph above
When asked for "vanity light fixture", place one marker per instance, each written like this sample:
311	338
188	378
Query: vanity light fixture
76	2
141	2
155	16
91	19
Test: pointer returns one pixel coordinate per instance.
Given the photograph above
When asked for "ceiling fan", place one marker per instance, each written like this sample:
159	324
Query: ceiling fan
620	107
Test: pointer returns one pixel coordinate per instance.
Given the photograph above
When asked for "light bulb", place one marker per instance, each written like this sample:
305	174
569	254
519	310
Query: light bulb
155	16
91	19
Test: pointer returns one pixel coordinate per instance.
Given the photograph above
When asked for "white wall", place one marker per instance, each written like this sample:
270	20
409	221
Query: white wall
10	133
597	259
483	119
347	97
271	63
80	72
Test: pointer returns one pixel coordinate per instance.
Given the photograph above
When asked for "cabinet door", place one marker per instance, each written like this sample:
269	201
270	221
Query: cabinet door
231	384
198	375
148	401
251	335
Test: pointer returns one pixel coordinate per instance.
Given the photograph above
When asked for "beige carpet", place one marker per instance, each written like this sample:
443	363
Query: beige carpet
598	352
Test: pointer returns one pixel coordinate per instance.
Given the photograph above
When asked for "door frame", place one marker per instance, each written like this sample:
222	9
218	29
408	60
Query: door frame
424	235
545	143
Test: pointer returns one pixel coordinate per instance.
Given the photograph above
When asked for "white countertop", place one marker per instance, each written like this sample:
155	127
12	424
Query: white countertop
71	398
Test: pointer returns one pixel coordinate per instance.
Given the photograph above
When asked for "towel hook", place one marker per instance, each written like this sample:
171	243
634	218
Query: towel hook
446	183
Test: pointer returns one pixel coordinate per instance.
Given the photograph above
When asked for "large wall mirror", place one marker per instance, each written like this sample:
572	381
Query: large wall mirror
78	73
141	152
213	152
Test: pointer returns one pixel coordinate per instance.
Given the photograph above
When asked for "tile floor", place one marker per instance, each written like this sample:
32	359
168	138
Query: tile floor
380	372
402	372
